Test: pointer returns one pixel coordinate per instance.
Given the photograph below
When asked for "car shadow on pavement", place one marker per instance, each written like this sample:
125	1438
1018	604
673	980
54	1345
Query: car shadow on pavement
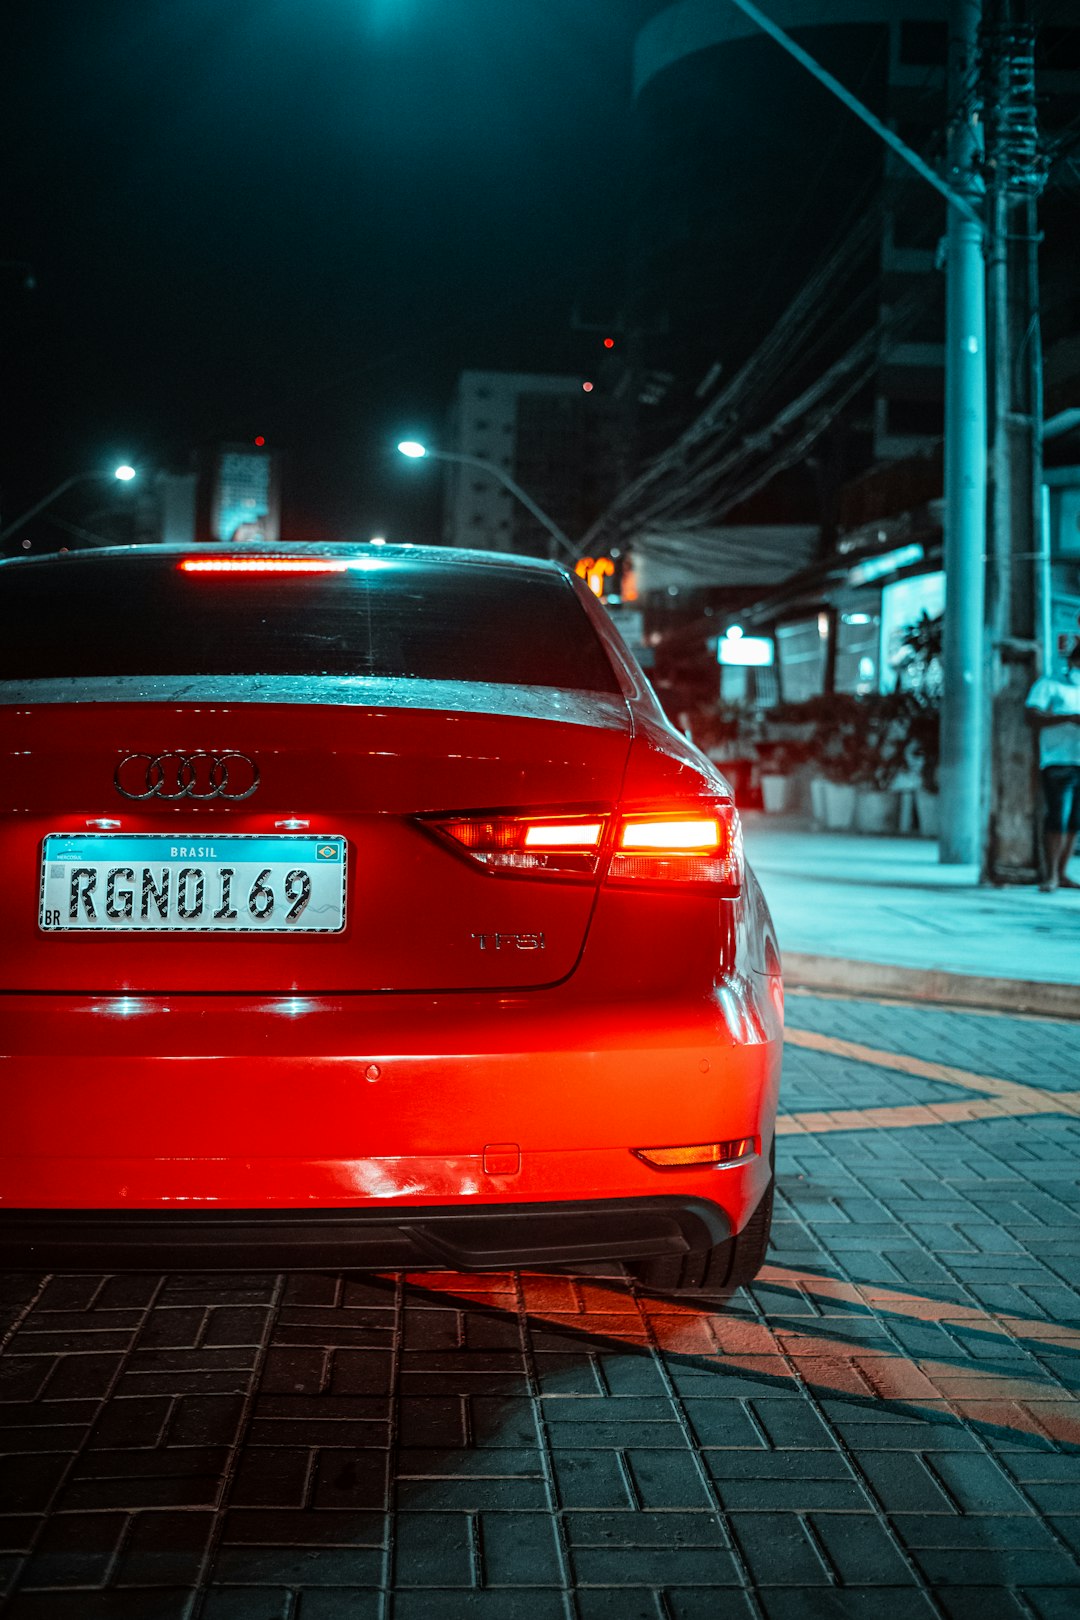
300	1447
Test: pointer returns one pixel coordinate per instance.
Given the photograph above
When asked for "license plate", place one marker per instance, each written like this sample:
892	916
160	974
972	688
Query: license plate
157	882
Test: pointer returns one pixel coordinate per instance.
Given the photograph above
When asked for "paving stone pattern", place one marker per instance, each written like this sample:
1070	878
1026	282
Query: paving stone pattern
888	1425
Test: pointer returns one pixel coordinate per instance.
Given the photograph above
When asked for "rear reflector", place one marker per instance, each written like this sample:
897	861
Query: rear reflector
719	1154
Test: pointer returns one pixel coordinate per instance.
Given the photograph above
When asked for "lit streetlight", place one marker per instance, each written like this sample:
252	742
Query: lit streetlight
417	451
124	473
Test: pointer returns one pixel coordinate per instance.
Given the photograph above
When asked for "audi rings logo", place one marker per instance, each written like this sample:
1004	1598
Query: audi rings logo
187	776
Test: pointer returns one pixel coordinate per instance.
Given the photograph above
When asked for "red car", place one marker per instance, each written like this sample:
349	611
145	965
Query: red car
360	907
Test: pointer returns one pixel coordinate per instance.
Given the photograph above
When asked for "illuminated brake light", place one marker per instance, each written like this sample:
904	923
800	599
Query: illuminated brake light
703	834
720	1155
566	835
568	847
702	852
264	565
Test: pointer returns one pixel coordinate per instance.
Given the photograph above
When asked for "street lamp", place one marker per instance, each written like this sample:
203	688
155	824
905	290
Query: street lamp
124	473
417	451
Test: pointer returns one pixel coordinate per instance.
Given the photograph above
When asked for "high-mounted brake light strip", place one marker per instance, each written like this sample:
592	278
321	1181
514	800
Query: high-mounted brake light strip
264	565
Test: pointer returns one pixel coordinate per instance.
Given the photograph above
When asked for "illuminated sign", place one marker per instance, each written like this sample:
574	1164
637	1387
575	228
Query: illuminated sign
244	503
755	651
903	604
594	571
874	567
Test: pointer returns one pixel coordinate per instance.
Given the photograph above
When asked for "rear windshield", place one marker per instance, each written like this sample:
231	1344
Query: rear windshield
84	616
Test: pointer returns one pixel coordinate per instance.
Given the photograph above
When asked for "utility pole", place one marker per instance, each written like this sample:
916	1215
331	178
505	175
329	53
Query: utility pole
962	706
1015	174
960	769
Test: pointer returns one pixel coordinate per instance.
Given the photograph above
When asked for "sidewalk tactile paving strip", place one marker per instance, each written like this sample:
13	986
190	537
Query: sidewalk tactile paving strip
889	1424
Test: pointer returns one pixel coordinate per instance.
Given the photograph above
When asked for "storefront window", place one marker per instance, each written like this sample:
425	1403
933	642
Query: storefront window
801	649
903	604
858	636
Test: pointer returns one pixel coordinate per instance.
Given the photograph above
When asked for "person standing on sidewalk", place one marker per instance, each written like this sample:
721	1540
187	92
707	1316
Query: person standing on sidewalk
1054	710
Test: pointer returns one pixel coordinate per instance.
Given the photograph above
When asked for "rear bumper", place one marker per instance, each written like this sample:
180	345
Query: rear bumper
380	1107
475	1239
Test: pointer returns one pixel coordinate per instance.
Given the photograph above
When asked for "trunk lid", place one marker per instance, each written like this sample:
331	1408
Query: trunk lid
355	760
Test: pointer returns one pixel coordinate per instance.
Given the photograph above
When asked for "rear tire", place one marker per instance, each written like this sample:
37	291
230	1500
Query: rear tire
730	1265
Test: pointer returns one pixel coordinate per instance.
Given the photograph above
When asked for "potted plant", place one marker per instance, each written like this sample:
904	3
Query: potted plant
835	753
925	748
882	746
921	674
779	763
785	750
726	733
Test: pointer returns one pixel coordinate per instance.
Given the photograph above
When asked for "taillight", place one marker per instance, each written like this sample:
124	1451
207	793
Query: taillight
702	848
698	846
569	845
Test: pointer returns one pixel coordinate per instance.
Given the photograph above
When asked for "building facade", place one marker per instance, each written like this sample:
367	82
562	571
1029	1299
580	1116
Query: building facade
758	189
537	429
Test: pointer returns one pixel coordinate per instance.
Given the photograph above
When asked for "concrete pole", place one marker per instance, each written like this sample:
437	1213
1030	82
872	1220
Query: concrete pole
962	741
1011	844
1044	586
953	195
960	771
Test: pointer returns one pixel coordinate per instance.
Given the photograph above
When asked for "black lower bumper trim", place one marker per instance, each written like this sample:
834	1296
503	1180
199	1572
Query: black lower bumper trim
493	1236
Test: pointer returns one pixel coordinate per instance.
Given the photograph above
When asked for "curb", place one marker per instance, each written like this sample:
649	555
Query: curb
839	973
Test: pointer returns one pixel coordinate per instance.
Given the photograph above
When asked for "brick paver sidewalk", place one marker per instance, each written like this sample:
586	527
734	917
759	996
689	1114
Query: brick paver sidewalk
889	1425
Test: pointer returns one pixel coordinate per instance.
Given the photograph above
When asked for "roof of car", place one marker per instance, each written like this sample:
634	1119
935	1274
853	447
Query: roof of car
398	551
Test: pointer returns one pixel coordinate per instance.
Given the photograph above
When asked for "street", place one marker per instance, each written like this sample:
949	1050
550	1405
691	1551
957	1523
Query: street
889	1424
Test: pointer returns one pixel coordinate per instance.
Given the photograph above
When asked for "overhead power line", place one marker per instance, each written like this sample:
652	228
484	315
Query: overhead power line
782	347
742	472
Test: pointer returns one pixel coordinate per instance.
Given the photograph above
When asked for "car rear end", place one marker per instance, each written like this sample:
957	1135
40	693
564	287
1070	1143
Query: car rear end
362	908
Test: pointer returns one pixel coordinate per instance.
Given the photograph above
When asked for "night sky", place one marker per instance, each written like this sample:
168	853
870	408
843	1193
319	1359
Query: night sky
298	218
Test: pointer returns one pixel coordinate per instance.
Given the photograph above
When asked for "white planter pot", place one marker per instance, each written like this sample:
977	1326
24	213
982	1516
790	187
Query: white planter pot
928	806
839	806
817	799
907	809
877	812
776	794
